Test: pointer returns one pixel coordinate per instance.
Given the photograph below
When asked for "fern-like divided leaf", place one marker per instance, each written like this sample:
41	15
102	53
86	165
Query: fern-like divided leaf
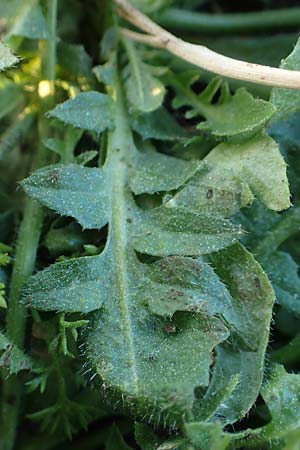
234	117
12	359
156	329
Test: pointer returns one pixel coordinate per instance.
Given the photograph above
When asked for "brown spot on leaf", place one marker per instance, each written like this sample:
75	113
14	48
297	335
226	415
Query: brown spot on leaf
170	329
209	194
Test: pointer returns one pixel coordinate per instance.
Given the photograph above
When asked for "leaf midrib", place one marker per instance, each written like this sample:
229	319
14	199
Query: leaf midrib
119	147
119	235
135	63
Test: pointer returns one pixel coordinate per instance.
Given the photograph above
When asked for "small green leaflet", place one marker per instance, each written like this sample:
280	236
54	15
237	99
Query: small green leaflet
55	187
7	59
240	115
91	111
12	358
144	91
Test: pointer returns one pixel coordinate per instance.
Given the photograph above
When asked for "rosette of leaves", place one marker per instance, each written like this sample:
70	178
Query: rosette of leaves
181	336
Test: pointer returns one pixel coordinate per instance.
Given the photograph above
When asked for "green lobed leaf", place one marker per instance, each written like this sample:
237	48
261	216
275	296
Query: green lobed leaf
7	59
241	114
234	117
145	317
143	361
91	111
65	188
258	165
235	174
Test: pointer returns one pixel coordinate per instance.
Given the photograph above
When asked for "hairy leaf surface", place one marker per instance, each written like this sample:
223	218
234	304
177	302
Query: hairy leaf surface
236	173
146	317
89	110
237	116
243	355
280	391
7	59
144	91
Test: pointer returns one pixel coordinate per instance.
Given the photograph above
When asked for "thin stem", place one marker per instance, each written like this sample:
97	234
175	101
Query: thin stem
193	21
25	255
50	52
202	56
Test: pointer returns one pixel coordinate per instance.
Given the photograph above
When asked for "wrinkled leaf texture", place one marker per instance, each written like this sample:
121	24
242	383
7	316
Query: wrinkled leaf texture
199	316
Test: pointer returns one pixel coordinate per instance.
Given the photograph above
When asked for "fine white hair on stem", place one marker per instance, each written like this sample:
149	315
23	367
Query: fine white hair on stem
202	56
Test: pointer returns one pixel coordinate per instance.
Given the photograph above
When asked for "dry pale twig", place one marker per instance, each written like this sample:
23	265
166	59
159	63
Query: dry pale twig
202	56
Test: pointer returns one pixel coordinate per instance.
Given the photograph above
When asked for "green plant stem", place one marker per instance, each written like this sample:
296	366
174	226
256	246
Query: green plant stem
25	255
288	226
50	50
192	21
